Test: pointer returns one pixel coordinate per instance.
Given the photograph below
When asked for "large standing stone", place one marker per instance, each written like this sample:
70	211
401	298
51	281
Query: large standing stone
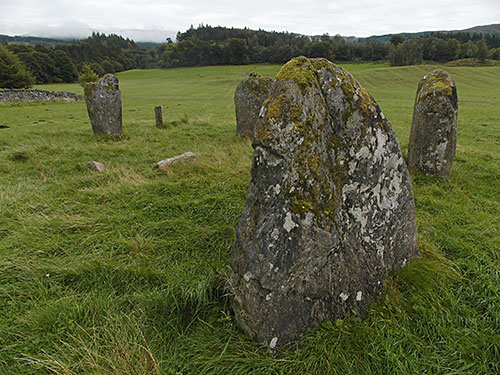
433	137
248	99
104	105
329	210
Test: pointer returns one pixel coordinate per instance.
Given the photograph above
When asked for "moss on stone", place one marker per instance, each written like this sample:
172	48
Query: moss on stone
88	89
300	70
274	107
436	82
257	84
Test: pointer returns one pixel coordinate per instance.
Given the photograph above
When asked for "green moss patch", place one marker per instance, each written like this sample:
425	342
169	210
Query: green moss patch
300	70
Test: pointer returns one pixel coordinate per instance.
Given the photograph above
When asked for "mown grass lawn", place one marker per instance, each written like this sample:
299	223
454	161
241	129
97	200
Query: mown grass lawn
124	272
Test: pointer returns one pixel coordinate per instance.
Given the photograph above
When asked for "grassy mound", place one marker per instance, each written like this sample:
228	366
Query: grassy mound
473	63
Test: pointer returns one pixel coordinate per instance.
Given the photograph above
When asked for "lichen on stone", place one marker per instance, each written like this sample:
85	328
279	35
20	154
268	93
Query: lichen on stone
437	82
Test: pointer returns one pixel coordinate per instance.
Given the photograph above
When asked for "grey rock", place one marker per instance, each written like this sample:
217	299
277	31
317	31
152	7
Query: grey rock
248	99
433	137
104	105
96	166
182	157
329	210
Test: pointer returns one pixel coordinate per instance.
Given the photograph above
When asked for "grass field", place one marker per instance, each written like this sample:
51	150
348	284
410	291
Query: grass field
124	272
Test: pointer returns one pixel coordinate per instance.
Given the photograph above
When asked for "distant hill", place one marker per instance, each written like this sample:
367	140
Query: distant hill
51	42
147	39
487	29
387	37
18	39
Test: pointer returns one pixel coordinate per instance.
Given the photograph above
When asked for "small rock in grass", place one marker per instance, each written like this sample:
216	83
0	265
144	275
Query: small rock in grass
96	166
167	162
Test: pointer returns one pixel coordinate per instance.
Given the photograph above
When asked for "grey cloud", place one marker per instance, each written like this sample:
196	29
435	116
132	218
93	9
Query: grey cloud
346	17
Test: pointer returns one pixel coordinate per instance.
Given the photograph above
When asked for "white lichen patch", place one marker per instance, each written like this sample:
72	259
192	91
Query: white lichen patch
380	251
273	342
360	215
344	296
289	223
248	276
363	152
262	111
381	145
276	189
359	296
275	234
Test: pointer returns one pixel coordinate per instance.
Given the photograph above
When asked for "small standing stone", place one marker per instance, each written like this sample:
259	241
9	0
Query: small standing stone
96	166
159	116
104	105
329	210
248	99
433	137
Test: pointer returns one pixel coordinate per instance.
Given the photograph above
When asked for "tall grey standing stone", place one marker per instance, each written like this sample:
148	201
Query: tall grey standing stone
329	210
248	99
433	137
104	105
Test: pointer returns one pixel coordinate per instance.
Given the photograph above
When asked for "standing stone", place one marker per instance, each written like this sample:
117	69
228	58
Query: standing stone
104	105
248	99
329	210
433	137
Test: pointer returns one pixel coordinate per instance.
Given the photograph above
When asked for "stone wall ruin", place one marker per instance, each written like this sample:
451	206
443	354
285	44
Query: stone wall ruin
20	95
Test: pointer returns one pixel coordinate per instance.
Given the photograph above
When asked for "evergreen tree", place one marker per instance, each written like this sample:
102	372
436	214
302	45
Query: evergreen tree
482	51
87	75
13	74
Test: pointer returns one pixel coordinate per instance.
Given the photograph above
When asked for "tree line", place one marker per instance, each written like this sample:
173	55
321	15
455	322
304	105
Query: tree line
21	65
443	47
207	45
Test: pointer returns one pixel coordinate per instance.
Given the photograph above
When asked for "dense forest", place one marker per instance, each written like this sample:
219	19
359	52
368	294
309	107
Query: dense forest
23	64
208	45
63	62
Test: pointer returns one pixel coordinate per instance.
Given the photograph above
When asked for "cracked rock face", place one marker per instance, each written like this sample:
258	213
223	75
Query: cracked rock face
104	106
433	137
248	99
329	210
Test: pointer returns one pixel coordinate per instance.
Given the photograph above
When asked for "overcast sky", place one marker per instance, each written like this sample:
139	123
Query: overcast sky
78	18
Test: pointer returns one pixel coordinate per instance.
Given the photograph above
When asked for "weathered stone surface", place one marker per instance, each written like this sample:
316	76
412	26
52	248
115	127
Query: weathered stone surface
104	105
433	137
248	99
329	210
96	166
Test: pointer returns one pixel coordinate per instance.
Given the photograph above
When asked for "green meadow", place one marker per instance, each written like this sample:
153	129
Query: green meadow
124	272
